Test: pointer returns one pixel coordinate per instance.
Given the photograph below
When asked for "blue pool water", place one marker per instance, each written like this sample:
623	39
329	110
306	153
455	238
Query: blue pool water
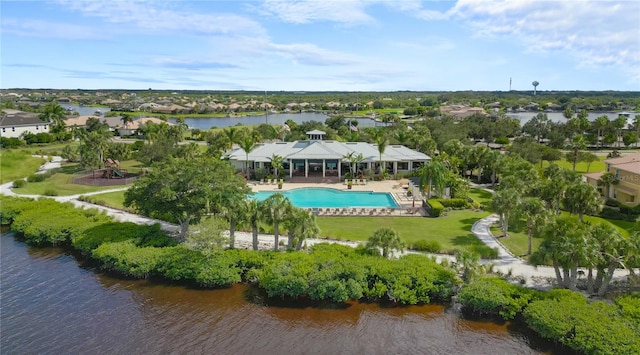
322	197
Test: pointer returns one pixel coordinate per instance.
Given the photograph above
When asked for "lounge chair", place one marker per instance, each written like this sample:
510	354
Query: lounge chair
353	181
346	181
364	181
361	181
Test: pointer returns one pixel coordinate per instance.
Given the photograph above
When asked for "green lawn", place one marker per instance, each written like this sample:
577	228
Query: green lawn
110	199
595	167
47	149
61	183
517	241
17	164
481	196
451	231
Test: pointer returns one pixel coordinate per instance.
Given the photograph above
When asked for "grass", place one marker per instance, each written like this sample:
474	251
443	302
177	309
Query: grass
595	167
61	182
47	149
517	241
17	164
481	196
110	199
452	231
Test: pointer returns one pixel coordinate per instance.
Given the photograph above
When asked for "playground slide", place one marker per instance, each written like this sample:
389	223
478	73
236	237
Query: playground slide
117	172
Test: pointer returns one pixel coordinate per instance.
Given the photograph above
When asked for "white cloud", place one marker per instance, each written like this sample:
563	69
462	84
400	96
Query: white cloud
47	29
595	33
346	12
166	17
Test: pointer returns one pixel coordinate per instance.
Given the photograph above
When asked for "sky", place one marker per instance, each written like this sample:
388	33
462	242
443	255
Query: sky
334	45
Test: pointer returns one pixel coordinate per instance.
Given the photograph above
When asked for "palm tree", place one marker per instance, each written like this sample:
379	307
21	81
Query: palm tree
386	239
535	213
276	163
481	154
619	124
254	216
293	221
600	123
54	113
275	210
247	144
126	119
610	254
577	143
235	209
301	225
606	180
433	175
505	202
467	262
233	136
582	198
382	142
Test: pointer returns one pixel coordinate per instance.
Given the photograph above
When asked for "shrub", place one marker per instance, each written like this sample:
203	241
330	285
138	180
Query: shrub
610	213
435	207
36	177
10	143
494	296
50	192
484	251
128	259
430	246
587	327
19	183
453	202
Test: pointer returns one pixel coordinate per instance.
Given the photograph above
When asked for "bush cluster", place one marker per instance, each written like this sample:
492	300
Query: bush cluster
19	183
435	207
456	203
562	316
329	272
429	246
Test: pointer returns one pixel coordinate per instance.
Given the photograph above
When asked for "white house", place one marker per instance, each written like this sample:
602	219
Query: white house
317	157
14	123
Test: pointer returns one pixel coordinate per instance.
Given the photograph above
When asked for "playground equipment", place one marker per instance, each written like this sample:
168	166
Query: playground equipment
112	170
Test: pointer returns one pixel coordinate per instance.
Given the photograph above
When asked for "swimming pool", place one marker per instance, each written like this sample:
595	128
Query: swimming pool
322	197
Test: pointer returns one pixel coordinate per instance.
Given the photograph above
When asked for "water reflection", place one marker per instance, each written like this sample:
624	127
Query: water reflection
50	305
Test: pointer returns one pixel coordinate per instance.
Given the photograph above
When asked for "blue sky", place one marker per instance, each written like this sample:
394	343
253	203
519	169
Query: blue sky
346	45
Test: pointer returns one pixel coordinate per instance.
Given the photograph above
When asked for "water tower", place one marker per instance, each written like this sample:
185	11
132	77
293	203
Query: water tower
535	86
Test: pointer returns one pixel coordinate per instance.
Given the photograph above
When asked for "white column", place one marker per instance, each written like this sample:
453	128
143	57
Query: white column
290	168
339	169
323	167
395	168
306	168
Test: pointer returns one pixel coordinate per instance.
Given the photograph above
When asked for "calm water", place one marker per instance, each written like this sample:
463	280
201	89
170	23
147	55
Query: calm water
319	197
52	305
276	118
524	117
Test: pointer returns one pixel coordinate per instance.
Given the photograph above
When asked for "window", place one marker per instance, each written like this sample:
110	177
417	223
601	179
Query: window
37	128
3	130
403	165
13	129
631	199
617	173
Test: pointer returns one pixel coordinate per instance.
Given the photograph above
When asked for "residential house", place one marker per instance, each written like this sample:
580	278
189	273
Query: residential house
627	170
15	123
132	128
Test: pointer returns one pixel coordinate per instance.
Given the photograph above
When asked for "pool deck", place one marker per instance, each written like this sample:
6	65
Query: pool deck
394	187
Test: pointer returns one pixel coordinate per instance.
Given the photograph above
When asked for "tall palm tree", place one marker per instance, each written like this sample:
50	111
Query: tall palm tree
433	175
54	114
535	213
582	198
382	142
300	225
577	143
599	124
233	136
236	210
277	163
126	119
504	203
606	180
275	210
481	154
254	216
247	144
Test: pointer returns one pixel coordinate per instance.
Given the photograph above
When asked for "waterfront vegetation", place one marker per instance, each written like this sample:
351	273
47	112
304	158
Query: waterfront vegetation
328	273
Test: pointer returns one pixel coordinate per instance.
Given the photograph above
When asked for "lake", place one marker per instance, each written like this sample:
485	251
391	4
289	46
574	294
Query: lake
54	302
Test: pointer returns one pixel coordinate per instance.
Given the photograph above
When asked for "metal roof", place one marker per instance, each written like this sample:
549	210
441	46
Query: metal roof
329	150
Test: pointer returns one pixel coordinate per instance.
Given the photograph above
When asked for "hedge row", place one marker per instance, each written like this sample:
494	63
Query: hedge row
329	272
435	207
562	316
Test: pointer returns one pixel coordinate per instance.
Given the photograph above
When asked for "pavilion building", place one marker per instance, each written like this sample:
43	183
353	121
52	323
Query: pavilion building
317	157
